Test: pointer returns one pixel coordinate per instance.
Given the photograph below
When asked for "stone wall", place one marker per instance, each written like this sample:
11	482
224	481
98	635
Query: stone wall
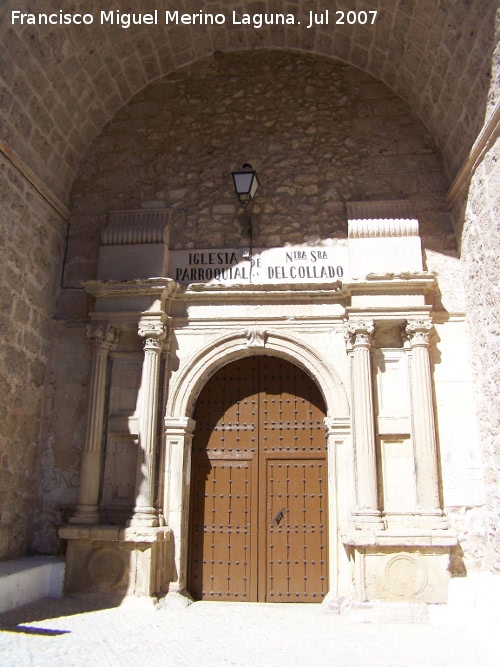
32	236
477	215
60	84
319	133
58	88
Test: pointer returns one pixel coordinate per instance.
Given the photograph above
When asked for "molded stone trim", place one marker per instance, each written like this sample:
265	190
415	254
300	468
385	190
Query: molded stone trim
482	145
44	192
198	369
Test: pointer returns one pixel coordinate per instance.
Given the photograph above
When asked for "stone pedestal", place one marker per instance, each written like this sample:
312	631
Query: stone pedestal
395	567
115	561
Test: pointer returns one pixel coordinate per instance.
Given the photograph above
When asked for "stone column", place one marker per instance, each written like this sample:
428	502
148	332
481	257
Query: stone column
179	436
153	329
424	434
87	511
361	334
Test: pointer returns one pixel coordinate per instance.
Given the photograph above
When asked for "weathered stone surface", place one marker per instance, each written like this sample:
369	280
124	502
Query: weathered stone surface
186	132
30	268
477	216
67	82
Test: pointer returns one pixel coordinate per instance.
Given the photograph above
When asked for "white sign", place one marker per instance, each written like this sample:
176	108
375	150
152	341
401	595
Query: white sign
293	264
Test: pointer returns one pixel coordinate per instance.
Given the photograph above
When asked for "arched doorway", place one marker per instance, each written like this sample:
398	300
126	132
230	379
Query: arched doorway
259	484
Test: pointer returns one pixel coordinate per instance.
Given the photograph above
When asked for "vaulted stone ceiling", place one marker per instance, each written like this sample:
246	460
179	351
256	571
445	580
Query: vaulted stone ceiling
61	84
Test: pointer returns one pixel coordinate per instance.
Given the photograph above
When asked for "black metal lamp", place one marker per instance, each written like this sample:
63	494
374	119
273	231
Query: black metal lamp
245	184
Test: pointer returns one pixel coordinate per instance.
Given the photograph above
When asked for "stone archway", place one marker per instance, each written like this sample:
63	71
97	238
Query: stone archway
180	425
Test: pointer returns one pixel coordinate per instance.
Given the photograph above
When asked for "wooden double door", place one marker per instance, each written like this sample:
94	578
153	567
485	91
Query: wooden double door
259	484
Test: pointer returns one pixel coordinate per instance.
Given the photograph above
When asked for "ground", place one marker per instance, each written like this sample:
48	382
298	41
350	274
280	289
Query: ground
72	632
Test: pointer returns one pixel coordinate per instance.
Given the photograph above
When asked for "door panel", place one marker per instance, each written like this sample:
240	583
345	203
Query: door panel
221	521
297	536
258	528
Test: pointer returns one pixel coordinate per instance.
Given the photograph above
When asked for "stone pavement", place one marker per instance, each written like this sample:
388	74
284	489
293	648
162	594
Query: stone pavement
74	632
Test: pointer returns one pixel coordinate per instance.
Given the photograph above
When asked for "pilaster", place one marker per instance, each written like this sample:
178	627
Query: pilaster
338	433
418	334
360	337
179	436
87	512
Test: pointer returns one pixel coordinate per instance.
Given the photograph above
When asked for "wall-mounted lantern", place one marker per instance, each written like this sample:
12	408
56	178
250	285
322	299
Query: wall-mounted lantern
245	184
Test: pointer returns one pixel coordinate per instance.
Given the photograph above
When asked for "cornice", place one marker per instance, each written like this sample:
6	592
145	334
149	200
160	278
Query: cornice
265	292
139	287
421	281
388	283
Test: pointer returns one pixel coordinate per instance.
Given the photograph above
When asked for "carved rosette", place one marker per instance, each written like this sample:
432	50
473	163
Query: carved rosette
419	333
359	333
104	337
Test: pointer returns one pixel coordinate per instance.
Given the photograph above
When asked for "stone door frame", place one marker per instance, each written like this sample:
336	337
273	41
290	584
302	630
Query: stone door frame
183	391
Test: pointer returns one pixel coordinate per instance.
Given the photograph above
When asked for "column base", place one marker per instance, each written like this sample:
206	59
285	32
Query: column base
433	519
116	562
370	519
88	515
144	518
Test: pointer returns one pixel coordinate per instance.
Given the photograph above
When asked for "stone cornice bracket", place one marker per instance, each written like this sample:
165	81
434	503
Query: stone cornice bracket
256	337
103	336
419	333
359	333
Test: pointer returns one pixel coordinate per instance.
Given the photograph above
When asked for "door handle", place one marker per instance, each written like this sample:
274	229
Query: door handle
279	516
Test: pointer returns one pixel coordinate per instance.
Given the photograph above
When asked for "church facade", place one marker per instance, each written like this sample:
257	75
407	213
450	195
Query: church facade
293	402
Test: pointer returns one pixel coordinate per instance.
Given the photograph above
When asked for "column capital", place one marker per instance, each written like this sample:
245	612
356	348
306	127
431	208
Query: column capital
359	333
104	336
419	332
154	329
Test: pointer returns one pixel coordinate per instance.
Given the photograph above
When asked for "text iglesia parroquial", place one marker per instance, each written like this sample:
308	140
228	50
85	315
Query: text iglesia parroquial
264	265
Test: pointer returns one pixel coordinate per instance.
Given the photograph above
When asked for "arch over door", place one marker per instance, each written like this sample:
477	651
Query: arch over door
258	518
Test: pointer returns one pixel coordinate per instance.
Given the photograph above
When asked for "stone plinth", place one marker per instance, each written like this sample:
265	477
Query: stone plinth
395	567
117	561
